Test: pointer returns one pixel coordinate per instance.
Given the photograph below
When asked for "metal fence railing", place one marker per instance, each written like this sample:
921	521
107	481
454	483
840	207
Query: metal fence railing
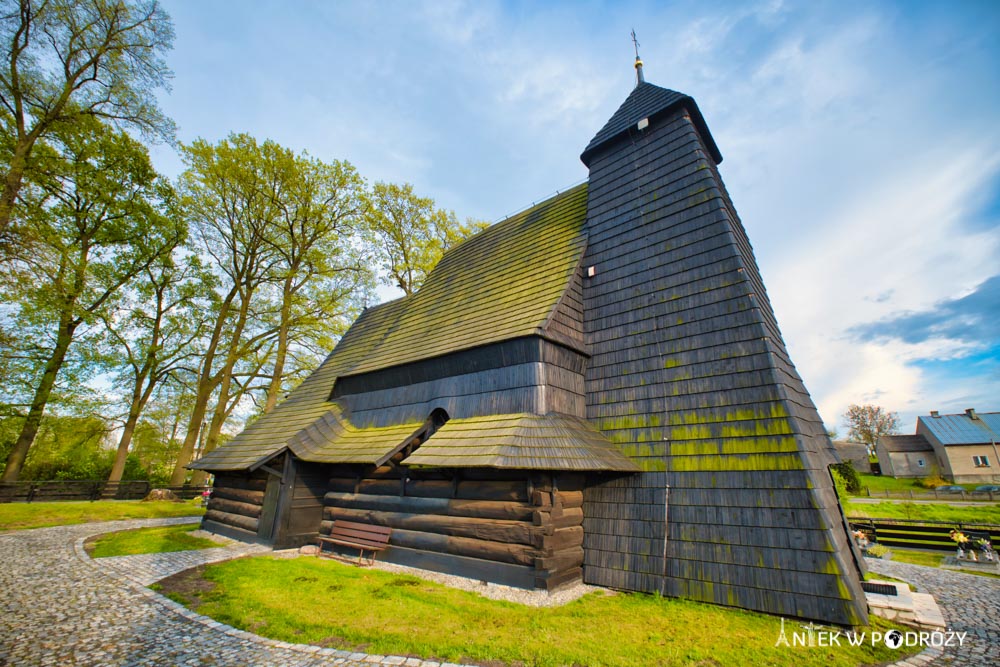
86	490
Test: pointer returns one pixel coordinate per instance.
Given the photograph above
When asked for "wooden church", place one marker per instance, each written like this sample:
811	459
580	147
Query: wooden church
594	389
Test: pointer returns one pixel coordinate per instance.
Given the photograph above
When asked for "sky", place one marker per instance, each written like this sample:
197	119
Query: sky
861	144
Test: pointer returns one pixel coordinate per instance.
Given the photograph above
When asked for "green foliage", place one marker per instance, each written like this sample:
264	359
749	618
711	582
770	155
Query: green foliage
16	516
149	541
868	423
410	235
878	551
852	483
290	600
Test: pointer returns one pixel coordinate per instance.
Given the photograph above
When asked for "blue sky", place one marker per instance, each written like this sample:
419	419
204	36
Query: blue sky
861	144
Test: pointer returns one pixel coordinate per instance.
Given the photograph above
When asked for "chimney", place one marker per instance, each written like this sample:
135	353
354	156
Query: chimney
935	414
971	412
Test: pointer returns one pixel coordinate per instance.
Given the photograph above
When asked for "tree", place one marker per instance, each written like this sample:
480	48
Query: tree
96	224
319	273
151	338
66	60
868	423
224	195
410	235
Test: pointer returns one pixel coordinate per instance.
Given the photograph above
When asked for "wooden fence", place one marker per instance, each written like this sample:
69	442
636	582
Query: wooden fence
86	490
932	535
933	494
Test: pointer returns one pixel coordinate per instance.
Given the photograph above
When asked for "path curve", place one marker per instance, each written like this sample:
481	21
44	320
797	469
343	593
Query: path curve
60	607
970	603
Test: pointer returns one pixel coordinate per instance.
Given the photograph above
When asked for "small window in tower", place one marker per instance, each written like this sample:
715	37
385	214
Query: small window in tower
920	463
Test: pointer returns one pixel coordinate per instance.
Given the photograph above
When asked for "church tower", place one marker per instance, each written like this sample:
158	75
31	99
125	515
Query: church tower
689	375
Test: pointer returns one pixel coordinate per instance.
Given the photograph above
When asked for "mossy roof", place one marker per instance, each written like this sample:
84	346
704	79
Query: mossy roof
526	441
502	283
333	439
307	403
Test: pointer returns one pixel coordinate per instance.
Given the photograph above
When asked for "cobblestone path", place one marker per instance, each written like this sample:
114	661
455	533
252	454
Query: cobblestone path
970	603
60	607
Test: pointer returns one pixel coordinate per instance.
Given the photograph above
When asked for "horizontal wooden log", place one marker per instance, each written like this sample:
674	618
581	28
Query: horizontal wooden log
234	507
559	518
517	554
568	499
561	560
238	520
239	495
494	530
447	506
487	490
430	488
341	484
385	472
387	487
239	482
562	538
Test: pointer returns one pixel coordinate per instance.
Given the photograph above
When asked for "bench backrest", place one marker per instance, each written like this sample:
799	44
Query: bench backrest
361	533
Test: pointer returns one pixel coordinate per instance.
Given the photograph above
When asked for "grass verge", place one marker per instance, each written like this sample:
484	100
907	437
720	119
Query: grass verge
147	541
19	516
986	513
322	602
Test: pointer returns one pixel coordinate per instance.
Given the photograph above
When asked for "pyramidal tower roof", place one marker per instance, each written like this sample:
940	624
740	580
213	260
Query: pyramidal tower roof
647	101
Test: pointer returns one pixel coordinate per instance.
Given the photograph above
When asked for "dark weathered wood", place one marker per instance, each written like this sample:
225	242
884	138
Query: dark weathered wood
234	507
256	483
517	554
238	520
239	495
563	559
553	581
517	532
559	519
448	506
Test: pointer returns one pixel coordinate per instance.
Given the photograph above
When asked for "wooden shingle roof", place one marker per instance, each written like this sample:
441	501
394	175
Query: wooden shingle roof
502	283
526	441
307	402
508	281
333	439
647	100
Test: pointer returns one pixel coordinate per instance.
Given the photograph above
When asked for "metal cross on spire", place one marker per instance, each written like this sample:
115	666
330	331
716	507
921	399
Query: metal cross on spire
638	61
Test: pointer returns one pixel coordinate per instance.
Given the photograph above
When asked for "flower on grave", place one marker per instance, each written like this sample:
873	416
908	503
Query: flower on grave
983	545
959	537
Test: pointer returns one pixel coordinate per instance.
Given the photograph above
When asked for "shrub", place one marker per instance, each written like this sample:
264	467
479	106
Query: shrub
878	551
931	481
850	476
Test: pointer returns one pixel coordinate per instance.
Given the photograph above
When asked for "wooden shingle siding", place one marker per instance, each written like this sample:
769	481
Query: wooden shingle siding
690	376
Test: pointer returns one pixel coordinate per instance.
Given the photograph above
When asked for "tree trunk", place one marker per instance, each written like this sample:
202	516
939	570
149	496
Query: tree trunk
123	444
206	385
12	185
282	352
15	460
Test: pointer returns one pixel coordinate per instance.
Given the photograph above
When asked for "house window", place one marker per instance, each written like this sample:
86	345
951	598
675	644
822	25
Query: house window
981	461
920	463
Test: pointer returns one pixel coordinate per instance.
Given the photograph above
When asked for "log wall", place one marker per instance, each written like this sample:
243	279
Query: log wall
236	504
516	527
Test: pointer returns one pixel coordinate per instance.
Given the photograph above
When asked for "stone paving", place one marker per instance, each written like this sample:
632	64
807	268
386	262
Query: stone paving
970	603
60	607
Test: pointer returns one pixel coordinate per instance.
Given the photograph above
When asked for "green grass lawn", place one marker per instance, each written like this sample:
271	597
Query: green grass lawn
878	484
322	602
986	513
148	541
16	516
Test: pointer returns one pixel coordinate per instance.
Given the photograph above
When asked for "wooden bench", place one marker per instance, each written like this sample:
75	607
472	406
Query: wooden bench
360	536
